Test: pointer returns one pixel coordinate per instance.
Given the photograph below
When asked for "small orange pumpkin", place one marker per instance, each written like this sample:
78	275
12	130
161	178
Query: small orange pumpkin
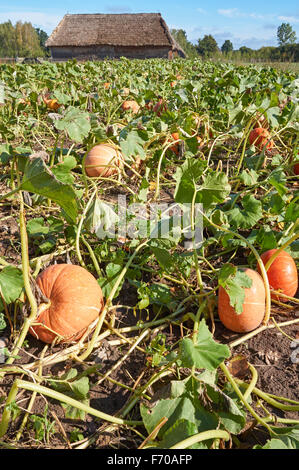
175	147
260	137
253	306
282	273
130	105
106	85
103	160
76	301
51	103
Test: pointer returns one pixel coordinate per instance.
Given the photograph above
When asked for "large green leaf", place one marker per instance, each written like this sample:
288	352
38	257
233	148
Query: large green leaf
39	179
214	189
186	177
206	353
11	284
247	216
182	403
75	122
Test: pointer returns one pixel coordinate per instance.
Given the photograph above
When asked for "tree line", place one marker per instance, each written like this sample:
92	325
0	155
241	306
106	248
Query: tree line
207	47
22	40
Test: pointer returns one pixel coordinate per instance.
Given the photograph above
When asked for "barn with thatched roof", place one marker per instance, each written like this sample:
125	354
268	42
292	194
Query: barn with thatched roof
100	36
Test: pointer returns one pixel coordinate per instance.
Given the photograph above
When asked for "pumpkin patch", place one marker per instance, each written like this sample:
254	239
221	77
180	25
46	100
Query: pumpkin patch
140	204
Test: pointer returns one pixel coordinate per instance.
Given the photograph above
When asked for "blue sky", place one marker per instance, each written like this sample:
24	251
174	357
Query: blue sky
253	25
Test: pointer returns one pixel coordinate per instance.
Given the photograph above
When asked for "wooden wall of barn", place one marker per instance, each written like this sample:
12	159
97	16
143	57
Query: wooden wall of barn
102	52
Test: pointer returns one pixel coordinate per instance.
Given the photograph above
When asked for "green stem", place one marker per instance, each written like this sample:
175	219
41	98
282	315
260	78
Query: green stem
253	382
59	397
202	436
271	401
80	227
241	396
26	277
108	302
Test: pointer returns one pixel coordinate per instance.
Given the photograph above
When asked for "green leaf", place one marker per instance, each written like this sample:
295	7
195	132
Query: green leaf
132	143
249	177
214	189
113	270
288	439
186	177
232	417
75	122
39	179
2	322
62	171
278	179
11	283
206	353
182	429
234	280
248	216
62	98
182	403
101	219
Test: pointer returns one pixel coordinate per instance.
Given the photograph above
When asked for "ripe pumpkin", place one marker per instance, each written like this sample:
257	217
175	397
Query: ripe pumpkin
260	137
103	160
130	105
106	85
282	273
51	103
175	147
253	306
76	301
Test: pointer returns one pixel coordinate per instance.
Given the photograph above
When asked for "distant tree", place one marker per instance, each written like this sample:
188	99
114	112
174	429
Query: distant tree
20	40
8	46
286	34
227	46
207	46
245	50
180	37
42	36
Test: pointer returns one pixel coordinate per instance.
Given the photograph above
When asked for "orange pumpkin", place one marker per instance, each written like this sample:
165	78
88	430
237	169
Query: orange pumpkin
103	160
76	301
106	85
253	306
51	103
282	273
175	147
260	137
130	105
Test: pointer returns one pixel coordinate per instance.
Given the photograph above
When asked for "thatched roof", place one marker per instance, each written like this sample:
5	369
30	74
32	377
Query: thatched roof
135	30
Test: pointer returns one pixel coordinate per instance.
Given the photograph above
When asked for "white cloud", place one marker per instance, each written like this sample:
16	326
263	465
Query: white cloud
202	11
236	13
45	21
289	19
229	13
